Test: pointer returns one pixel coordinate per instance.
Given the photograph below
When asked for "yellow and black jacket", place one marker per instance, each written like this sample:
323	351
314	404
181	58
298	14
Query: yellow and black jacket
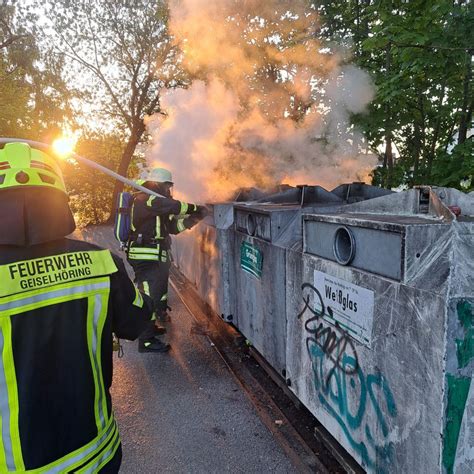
153	220
59	304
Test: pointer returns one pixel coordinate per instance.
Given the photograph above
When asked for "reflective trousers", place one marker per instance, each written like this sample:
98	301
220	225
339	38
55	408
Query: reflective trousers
152	278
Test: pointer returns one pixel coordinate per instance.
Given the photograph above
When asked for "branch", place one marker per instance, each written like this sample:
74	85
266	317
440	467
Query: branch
143	94
11	40
422	46
151	108
76	57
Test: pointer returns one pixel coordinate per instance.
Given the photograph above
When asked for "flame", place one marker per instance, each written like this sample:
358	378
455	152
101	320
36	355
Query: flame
64	146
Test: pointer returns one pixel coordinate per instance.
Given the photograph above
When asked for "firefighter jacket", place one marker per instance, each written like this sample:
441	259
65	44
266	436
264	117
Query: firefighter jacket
153	220
59	304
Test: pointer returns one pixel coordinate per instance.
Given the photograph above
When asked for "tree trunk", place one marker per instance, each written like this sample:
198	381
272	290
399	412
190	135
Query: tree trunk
135	136
437	130
388	160
388	127
357	36
419	130
466	109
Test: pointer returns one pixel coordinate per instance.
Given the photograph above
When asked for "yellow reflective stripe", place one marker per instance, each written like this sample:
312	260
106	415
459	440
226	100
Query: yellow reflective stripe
96	315
7	462
180	225
158	227
164	297
97	293
113	451
9	406
102	317
138	301
72	461
119	218
119	225
3	461
146	288
144	257
18	277
131	218
105	456
148	250
39	298
149	203
184	208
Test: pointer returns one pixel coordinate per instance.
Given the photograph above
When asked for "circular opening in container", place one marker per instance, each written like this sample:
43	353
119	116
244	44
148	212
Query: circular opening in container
344	246
251	224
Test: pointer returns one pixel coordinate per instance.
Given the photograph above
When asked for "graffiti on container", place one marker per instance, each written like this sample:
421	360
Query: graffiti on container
334	341
459	384
362	404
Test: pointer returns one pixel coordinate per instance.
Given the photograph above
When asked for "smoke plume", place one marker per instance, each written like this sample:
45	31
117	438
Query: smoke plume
268	104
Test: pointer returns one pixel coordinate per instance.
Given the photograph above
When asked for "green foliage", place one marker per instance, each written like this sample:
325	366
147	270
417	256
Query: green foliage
455	169
34	98
420	55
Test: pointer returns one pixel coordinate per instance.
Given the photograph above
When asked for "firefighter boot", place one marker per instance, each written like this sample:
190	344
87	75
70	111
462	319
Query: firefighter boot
152	345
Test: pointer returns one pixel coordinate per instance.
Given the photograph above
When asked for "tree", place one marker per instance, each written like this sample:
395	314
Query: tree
34	99
124	50
420	55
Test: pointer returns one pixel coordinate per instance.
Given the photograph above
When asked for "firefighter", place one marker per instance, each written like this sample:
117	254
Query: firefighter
149	249
60	301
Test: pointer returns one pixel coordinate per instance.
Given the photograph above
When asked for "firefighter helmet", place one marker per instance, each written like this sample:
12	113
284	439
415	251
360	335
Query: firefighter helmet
156	175
23	166
34	205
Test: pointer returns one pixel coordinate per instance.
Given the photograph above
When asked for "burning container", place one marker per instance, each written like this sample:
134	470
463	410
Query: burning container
364	299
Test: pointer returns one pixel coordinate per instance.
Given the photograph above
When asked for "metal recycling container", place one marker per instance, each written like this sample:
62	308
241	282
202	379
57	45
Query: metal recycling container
201	256
264	233
380	336
364	299
237	259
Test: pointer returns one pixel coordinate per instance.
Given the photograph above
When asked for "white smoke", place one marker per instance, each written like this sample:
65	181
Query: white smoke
235	128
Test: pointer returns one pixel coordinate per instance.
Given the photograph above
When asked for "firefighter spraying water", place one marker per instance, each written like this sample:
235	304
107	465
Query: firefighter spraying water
143	224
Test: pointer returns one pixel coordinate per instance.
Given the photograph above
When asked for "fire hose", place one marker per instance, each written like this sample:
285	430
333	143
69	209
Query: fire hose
85	161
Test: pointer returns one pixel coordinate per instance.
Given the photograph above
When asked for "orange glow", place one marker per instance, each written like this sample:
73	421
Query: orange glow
64	146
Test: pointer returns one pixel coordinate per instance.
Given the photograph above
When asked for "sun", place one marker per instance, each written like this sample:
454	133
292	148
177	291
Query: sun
64	146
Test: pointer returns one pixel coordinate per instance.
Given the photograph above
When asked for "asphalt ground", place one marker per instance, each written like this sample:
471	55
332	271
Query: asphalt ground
183	412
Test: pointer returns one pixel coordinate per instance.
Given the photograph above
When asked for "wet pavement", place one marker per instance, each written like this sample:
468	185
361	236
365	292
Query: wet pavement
183	412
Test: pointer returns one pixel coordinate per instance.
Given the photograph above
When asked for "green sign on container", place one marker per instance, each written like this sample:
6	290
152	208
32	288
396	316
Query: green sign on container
251	259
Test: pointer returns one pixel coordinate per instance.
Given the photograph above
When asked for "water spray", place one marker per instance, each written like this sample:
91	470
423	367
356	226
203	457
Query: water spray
91	164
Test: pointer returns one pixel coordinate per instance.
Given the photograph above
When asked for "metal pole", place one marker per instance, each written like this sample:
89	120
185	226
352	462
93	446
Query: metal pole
85	161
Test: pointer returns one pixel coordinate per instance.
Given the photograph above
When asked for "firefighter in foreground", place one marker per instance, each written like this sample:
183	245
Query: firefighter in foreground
60	301
149	249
